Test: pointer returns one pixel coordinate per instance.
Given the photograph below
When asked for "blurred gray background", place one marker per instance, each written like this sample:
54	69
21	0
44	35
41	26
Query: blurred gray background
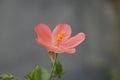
19	53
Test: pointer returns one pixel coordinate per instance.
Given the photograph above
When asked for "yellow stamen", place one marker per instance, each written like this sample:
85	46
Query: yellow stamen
59	38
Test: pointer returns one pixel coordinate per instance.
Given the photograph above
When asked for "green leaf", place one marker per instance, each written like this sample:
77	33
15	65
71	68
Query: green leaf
8	77
29	76
39	73
58	70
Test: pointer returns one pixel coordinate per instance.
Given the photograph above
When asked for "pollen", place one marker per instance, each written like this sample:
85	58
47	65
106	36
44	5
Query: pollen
59	38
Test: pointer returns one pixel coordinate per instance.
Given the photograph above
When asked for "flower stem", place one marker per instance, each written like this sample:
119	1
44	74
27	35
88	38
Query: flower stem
53	65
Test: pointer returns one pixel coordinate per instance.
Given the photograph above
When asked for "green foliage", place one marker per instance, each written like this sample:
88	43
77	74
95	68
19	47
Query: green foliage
8	77
58	70
112	74
39	73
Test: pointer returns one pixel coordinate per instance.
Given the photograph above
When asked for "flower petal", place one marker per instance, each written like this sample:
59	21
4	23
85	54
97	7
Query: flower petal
44	33
74	41
55	49
49	47
62	27
70	51
41	43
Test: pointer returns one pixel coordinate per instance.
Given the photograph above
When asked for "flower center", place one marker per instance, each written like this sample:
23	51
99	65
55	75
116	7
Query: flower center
59	38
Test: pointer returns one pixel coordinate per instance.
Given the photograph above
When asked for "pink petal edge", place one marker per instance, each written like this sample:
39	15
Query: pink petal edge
41	43
74	41
44	33
70	51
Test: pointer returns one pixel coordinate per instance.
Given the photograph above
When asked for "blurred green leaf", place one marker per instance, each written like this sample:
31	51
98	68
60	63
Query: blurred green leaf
58	70
112	74
8	77
39	73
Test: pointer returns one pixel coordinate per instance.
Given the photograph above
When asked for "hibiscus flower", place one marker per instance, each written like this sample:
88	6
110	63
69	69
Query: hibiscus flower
58	40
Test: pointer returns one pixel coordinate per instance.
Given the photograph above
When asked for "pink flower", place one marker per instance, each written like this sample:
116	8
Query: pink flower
59	40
